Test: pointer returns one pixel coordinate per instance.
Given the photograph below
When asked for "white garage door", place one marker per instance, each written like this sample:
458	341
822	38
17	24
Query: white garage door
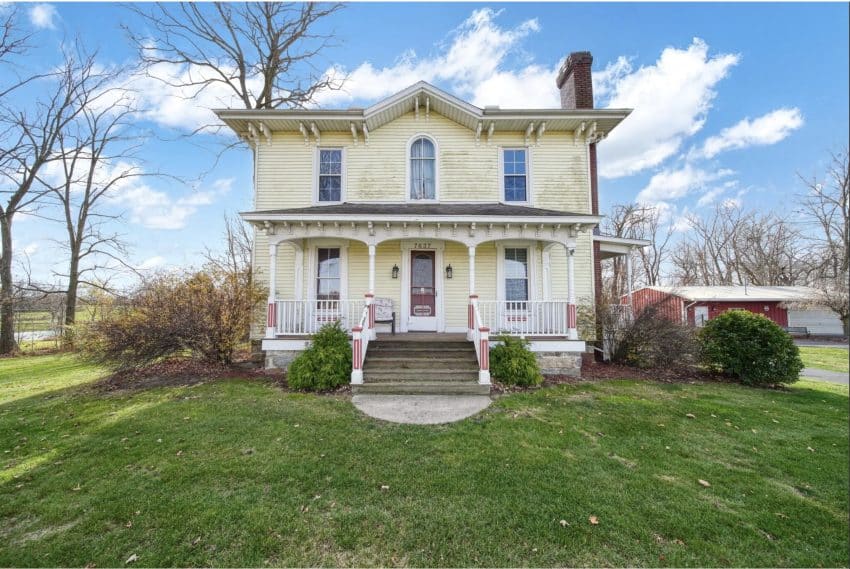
817	321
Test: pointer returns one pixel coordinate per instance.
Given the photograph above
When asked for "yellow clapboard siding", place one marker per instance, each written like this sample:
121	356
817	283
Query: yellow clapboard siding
467	171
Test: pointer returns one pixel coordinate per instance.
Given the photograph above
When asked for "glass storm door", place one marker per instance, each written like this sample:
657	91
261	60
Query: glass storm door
423	292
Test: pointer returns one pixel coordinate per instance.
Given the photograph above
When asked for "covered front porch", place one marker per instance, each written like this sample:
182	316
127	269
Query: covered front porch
427	274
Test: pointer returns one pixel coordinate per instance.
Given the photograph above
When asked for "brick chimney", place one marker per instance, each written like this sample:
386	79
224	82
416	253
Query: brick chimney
575	82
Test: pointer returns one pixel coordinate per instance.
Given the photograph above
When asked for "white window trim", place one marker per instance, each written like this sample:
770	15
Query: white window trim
528	179
531	246
344	177
313	265
410	142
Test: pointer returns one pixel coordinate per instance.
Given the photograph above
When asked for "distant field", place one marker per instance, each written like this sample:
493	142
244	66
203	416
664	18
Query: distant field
38	320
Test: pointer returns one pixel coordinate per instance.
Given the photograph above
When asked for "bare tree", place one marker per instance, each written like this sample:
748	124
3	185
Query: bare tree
28	138
639	221
238	244
826	206
97	158
263	54
13	40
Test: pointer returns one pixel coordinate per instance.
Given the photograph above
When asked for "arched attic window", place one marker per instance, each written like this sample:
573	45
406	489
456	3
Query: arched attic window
423	169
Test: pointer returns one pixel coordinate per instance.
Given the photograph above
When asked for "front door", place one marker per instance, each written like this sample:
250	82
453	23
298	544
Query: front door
423	291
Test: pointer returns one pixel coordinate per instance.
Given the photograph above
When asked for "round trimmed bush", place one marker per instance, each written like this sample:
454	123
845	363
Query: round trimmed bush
512	363
325	364
750	348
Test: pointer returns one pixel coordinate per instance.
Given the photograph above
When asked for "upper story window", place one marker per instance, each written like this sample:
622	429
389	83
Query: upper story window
423	170
515	174
330	175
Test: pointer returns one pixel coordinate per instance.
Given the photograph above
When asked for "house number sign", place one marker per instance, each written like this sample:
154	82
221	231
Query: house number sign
424	245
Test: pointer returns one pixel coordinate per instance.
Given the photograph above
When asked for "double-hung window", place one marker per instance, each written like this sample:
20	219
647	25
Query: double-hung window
330	175
515	174
328	281
516	274
423	170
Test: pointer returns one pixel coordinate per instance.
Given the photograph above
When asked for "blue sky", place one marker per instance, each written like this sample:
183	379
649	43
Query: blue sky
732	100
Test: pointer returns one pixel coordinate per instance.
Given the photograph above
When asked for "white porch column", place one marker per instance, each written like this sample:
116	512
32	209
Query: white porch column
370	296
372	249
572	331
471	271
470	327
629	275
271	315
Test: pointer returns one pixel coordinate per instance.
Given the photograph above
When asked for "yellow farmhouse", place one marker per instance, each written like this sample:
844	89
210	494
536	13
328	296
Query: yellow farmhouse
428	225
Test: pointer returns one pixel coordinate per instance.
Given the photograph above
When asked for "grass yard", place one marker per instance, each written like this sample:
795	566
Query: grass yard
832	359
241	473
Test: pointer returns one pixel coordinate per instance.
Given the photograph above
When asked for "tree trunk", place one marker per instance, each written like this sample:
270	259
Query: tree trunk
71	299
7	301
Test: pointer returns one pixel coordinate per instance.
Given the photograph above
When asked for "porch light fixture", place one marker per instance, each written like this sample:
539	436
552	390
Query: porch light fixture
395	271
449	272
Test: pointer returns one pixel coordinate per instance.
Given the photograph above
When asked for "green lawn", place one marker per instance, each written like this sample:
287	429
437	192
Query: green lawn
240	473
833	359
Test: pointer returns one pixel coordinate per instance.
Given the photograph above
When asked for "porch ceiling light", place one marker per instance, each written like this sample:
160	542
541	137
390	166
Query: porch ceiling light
449	271
395	271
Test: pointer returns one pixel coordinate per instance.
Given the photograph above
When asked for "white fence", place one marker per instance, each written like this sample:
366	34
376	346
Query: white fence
526	318
305	317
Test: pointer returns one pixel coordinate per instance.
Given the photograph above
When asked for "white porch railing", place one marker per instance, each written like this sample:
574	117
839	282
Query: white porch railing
480	336
360	336
305	317
526	318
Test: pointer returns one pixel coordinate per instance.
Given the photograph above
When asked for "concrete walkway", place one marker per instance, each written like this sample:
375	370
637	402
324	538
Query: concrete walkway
421	409
826	375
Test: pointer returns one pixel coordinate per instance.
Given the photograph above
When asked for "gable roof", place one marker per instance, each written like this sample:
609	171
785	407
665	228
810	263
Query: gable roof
740	293
426	98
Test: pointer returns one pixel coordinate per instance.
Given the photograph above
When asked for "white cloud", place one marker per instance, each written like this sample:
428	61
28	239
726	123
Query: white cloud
43	16
156	209
31	248
472	64
712	194
152	262
673	184
766	129
670	98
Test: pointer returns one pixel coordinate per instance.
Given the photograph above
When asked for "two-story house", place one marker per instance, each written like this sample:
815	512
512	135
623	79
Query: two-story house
462	222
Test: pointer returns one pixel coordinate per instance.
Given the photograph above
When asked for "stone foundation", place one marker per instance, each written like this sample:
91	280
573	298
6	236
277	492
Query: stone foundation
280	359
559	363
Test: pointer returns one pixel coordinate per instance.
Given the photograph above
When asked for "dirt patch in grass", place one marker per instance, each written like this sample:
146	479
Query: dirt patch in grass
598	370
184	372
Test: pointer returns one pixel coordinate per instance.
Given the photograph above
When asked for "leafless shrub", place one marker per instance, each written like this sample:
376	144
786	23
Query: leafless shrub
205	314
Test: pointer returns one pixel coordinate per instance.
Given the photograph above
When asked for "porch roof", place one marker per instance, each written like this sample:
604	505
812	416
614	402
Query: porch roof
468	223
419	211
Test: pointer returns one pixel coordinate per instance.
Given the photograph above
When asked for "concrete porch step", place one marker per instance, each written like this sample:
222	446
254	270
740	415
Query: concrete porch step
427	358
393	361
423	388
422	374
389	345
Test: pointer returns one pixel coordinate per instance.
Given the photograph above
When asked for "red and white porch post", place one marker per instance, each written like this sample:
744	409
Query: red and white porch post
473	298
572	331
484	356
271	313
357	355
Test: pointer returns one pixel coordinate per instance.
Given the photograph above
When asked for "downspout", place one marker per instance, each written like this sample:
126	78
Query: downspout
685	313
